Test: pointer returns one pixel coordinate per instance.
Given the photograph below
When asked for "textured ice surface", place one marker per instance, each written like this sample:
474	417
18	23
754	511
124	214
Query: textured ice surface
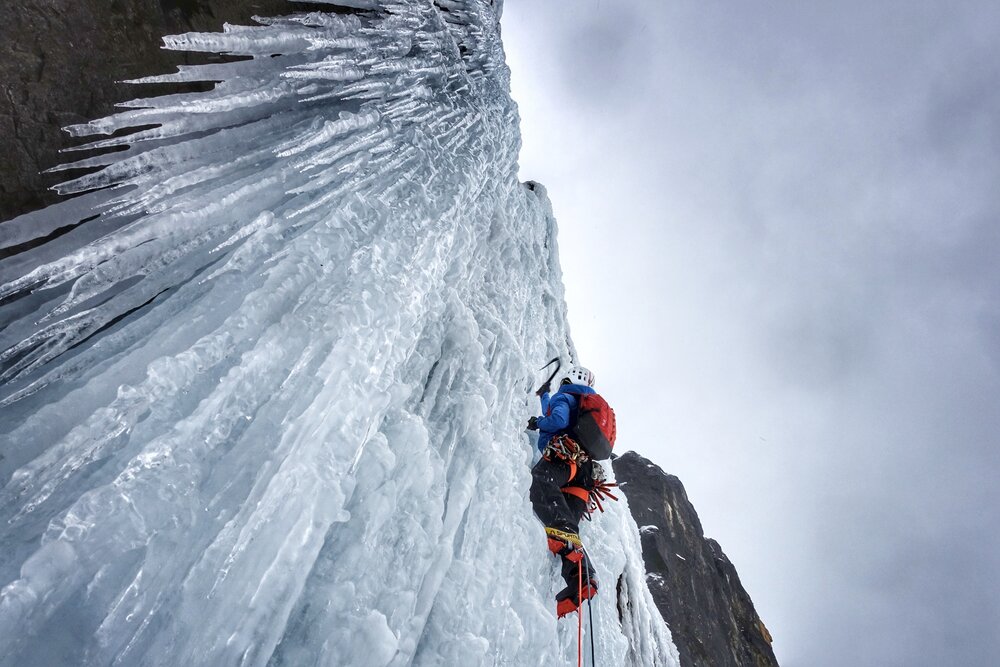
264	404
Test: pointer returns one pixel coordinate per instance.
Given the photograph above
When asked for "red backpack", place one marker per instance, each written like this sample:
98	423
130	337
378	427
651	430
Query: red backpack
594	429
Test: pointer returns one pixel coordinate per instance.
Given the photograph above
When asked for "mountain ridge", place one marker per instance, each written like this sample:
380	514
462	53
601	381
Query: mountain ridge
695	586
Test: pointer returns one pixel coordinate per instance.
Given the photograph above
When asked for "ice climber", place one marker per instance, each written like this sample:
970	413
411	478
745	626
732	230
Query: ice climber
561	484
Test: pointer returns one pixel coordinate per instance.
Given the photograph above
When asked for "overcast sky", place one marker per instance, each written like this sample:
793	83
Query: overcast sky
780	230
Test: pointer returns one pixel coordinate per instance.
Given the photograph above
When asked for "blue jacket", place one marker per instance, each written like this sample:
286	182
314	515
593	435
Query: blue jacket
559	411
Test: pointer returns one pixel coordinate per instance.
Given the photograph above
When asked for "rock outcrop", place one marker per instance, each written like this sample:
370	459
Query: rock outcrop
64	63
695	587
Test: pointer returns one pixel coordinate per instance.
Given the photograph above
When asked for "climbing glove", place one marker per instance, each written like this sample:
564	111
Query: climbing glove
533	424
544	389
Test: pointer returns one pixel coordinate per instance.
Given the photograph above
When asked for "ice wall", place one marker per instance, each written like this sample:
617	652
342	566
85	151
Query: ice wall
264	381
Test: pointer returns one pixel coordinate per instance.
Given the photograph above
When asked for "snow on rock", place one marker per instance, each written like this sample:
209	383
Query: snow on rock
262	388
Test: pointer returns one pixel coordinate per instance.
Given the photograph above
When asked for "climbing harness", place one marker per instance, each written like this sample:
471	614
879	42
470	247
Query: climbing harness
591	491
563	543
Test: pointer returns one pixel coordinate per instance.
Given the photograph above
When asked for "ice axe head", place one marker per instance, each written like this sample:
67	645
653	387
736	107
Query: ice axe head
545	385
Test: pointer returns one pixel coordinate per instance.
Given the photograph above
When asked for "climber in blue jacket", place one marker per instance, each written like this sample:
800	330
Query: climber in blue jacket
557	411
561	482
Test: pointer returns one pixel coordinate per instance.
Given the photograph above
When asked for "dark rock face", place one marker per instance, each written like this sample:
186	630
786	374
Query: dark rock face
695	587
62	63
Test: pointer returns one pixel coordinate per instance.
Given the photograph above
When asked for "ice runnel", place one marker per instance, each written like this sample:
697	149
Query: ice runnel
263	384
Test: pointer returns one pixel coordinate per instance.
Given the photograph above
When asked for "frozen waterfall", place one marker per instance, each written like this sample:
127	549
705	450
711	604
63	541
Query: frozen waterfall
263	382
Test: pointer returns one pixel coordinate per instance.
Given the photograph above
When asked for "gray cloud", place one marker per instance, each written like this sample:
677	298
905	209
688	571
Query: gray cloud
792	209
596	50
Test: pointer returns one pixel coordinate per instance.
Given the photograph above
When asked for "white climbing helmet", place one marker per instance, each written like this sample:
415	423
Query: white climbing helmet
577	375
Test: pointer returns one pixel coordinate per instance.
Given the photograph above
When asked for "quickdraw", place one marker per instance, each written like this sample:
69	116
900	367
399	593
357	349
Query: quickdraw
565	448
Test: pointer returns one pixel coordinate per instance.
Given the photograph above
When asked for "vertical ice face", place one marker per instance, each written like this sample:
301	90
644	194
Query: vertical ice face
263	388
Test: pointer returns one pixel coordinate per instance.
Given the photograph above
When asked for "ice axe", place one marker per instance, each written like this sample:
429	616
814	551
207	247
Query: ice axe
548	383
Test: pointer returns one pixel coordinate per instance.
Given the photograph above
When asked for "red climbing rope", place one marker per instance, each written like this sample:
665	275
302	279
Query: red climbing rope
579	614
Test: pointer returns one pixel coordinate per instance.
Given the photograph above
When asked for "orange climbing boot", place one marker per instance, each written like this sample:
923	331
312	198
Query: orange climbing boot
568	599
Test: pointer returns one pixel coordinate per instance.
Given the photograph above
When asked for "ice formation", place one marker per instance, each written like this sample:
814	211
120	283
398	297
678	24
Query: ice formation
263	383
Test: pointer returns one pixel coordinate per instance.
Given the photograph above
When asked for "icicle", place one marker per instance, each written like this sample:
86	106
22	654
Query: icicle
261	390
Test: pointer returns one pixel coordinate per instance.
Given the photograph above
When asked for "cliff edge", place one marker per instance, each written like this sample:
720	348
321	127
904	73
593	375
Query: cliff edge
694	585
